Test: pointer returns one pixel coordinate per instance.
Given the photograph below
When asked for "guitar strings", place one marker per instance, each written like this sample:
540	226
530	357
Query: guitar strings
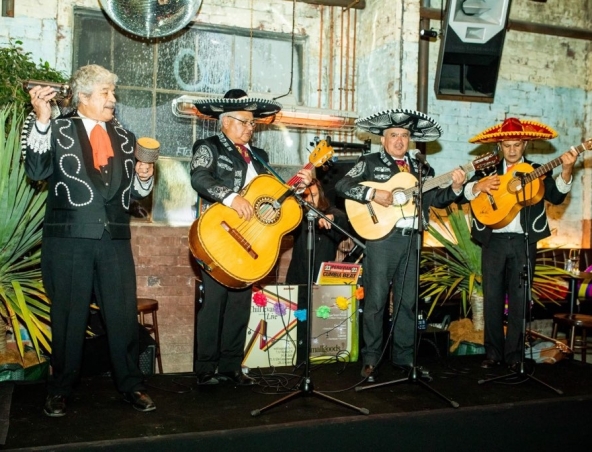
253	229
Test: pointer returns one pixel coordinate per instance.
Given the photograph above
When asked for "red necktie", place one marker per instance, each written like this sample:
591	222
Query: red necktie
403	166
244	152
101	146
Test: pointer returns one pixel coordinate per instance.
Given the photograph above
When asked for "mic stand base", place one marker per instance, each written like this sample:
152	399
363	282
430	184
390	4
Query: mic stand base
307	389
520	372
412	378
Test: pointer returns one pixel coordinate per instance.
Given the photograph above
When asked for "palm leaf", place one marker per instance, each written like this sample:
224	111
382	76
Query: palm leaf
22	296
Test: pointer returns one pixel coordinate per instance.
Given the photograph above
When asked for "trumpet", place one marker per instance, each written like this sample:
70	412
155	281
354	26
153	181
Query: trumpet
63	90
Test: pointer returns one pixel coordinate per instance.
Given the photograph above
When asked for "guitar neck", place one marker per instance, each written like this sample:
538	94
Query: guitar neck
543	169
295	180
440	180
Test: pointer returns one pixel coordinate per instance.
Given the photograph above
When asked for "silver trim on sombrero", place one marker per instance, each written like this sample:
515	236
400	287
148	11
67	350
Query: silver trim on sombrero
259	107
420	126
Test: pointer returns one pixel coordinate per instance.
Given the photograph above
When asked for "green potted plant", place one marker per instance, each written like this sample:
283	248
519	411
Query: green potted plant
24	307
456	272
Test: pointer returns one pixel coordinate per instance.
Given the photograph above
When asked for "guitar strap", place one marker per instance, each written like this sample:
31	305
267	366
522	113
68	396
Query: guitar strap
267	166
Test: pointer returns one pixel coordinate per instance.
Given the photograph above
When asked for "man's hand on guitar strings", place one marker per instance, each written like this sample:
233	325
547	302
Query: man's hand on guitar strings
487	184
243	208
383	197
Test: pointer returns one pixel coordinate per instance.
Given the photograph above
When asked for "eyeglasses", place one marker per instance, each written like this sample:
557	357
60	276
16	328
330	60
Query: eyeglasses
245	122
399	135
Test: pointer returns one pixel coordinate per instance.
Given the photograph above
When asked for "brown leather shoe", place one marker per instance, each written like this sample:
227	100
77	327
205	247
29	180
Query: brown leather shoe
140	400
369	373
55	406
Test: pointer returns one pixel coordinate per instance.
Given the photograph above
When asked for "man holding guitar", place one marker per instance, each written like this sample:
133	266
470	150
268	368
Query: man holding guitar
504	256
222	165
392	257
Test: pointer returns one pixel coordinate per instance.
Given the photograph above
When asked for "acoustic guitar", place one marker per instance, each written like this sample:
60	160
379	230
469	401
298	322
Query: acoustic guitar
237	252
373	221
519	187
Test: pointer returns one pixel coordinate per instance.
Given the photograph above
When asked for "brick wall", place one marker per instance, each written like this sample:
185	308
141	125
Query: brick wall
166	273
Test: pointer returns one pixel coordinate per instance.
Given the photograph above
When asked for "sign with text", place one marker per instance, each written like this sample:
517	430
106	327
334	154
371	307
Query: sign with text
272	330
339	273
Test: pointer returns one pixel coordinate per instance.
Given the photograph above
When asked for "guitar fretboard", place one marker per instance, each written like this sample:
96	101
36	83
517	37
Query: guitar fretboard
295	180
543	169
438	180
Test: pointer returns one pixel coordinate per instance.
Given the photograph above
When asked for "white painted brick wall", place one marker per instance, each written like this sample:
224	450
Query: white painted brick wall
541	77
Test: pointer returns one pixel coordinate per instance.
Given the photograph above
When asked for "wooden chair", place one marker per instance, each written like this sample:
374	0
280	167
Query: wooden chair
150	306
575	323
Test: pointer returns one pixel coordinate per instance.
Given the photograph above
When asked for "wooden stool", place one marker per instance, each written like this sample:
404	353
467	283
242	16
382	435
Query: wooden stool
574	321
150	306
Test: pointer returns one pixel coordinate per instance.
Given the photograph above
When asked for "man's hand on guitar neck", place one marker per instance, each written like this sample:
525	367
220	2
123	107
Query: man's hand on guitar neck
243	208
568	160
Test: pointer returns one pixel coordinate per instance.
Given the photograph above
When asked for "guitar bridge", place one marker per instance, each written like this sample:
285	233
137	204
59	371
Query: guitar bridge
239	239
492	201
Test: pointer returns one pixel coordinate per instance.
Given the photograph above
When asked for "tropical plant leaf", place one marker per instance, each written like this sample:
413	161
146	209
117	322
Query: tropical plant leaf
22	296
458	273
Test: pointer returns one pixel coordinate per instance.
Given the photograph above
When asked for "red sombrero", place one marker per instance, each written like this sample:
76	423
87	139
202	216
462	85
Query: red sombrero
512	129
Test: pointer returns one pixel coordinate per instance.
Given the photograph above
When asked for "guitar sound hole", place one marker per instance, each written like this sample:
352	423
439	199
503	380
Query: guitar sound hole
514	186
399	198
265	211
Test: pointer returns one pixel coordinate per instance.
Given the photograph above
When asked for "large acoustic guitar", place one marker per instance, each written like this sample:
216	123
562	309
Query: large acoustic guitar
521	186
373	221
237	252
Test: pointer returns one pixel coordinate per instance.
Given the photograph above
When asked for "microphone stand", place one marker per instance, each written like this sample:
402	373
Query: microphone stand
526	277
306	387
414	372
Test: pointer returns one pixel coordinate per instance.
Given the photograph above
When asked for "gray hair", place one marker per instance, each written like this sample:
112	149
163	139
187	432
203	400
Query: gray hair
86	78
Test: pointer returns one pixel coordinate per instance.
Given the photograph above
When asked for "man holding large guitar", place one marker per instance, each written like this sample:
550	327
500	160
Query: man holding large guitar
222	165
391	257
495	202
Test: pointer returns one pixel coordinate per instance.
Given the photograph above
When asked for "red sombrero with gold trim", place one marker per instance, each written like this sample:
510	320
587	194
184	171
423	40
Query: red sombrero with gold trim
513	129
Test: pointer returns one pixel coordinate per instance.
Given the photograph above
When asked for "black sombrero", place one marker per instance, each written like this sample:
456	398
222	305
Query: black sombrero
420	126
237	100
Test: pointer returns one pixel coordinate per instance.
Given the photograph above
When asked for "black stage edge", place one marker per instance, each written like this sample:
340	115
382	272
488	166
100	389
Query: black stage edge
499	416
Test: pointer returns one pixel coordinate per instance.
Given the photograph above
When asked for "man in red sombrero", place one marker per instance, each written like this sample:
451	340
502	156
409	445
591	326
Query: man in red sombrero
504	255
392	259
221	166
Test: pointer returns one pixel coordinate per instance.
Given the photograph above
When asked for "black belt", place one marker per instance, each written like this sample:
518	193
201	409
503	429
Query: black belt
507	235
404	231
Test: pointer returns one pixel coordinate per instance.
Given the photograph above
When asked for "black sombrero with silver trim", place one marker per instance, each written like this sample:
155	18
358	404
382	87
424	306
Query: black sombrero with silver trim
420	126
237	100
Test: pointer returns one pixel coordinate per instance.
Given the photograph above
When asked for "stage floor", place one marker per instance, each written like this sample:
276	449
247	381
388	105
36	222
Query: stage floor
98	418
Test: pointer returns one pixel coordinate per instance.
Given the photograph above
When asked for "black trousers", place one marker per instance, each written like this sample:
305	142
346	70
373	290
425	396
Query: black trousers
73	269
222	322
503	265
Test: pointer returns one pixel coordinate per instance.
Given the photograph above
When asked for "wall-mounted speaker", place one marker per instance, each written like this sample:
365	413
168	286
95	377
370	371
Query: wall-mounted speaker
471	49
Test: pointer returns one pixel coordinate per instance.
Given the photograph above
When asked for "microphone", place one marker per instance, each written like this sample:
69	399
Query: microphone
417	155
519	174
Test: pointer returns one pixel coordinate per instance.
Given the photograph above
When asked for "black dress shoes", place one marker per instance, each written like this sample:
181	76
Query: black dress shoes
207	378
236	377
369	373
403	367
140	401
490	363
55	406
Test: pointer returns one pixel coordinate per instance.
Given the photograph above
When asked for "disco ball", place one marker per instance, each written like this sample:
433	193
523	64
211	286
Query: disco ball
151	18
